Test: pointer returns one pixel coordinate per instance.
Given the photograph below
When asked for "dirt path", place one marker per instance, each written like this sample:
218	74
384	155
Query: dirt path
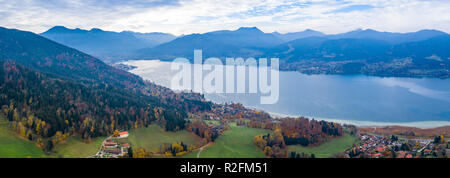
201	149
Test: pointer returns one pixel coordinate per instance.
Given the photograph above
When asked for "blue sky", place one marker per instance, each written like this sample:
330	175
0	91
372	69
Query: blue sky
199	16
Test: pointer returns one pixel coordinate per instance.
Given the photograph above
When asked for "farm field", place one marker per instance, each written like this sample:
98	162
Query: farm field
152	137
12	146
328	148
234	143
76	147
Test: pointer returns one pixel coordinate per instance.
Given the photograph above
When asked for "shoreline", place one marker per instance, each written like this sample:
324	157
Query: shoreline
336	74
417	124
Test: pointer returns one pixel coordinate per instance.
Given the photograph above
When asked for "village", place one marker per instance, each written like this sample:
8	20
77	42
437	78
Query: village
376	146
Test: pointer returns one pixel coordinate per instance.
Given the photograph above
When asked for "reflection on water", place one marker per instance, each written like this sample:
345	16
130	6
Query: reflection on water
415	88
361	98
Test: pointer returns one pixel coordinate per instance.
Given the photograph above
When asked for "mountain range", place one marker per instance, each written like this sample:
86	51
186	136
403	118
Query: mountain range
297	35
225	43
425	48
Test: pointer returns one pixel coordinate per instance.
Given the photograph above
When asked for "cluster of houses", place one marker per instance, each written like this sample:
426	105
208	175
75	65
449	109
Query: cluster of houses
114	147
217	128
374	146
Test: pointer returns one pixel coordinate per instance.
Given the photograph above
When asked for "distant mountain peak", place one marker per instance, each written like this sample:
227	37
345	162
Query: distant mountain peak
369	30
249	29
431	31
63	29
310	30
96	30
276	33
57	29
297	35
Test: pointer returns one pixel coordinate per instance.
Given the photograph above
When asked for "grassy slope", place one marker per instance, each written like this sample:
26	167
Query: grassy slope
190	155
234	143
12	146
75	147
328	148
152	137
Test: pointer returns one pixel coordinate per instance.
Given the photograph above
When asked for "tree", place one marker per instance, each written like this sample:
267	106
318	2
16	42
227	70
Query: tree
268	151
141	153
130	152
116	133
49	146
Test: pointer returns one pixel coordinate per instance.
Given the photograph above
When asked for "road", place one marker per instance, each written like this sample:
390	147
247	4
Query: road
101	146
201	149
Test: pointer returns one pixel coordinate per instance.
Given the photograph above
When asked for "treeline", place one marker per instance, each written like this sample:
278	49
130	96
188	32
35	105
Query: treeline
175	149
301	130
166	149
271	144
308	132
294	154
291	131
201	129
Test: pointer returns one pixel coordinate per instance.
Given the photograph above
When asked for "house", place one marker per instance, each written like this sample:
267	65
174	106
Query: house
380	149
110	144
377	155
124	150
401	155
123	134
112	152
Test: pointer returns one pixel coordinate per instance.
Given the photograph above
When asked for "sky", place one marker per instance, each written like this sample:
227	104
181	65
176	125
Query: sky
199	16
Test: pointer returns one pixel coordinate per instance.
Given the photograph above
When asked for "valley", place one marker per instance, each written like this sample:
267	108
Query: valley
59	102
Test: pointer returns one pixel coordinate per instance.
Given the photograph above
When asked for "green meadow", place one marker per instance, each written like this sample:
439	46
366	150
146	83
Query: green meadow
76	147
154	136
327	149
234	143
13	146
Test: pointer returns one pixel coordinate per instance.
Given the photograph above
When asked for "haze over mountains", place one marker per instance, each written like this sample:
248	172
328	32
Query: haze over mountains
106	45
297	35
423	49
252	42
241	42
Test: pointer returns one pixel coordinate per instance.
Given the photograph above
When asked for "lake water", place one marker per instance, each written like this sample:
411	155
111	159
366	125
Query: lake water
360	100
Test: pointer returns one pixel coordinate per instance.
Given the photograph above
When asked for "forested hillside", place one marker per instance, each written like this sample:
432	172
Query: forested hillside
49	92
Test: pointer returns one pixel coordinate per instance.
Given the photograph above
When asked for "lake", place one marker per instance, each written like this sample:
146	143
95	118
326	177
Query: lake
357	99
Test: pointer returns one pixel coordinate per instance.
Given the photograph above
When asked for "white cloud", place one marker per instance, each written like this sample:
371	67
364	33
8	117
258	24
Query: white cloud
198	16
